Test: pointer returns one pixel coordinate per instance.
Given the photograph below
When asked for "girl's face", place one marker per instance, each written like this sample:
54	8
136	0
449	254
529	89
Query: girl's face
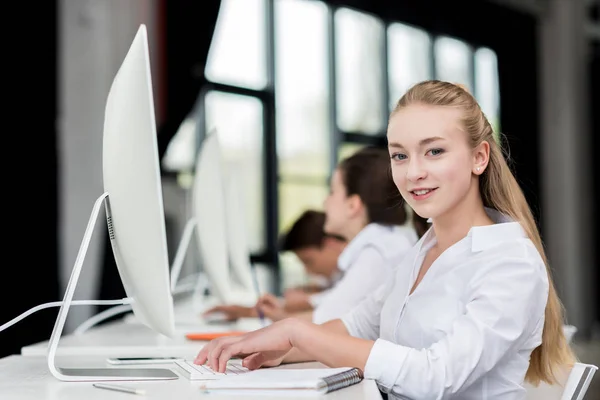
338	209
432	163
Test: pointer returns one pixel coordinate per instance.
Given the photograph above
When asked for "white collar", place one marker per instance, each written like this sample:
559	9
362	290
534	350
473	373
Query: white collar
484	237
356	245
335	277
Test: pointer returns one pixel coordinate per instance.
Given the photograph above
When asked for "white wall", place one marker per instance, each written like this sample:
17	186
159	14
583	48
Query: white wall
93	39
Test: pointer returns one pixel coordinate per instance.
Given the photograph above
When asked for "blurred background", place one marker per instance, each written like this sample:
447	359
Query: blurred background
291	86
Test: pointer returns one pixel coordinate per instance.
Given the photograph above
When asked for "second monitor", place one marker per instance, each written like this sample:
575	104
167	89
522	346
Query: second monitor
219	222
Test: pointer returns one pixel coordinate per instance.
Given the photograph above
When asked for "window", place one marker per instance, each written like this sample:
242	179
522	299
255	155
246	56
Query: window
237	52
238	121
370	66
409	59
359	52
453	60
303	120
487	91
298	198
303	123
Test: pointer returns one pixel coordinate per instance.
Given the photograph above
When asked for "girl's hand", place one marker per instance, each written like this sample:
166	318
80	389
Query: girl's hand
272	307
232	312
297	300
266	346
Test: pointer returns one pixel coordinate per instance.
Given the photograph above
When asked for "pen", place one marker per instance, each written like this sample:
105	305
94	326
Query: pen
261	316
119	388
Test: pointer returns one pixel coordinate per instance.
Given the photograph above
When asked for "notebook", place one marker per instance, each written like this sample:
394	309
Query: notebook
279	382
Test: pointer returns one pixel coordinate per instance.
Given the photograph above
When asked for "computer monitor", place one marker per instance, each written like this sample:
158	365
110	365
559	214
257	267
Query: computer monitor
237	232
219	223
134	213
209	212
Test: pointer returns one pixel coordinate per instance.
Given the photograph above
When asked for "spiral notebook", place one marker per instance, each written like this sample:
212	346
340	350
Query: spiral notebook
279	382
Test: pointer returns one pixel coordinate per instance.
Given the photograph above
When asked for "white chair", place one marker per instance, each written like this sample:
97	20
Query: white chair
575	385
579	380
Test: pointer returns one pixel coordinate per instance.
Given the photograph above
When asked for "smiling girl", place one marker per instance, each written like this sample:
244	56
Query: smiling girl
472	311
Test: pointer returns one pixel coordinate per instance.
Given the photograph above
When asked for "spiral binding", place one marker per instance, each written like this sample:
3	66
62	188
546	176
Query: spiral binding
343	379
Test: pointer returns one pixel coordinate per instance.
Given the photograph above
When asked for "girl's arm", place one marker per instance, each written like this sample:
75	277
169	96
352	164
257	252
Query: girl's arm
329	344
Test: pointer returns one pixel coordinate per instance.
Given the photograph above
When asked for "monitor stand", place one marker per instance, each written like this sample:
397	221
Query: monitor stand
184	243
93	374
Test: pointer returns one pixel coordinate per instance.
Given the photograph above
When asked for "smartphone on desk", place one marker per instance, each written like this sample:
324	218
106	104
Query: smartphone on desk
141	360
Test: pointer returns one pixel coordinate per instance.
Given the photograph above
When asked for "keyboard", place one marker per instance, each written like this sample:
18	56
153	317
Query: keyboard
201	372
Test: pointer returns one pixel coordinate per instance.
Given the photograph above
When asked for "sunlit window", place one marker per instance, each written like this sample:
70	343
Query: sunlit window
359	54
237	51
409	59
303	123
238	122
487	91
453	60
303	120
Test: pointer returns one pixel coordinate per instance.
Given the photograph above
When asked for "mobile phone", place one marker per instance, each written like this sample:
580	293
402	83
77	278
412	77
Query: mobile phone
141	360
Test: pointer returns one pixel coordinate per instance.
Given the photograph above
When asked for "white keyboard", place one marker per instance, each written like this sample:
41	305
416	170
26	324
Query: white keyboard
202	372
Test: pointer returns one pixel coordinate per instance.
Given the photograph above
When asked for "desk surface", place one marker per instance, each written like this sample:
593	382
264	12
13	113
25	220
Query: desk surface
133	339
28	378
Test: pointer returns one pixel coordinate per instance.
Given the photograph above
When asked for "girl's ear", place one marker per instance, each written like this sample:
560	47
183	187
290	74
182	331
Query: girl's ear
481	157
355	204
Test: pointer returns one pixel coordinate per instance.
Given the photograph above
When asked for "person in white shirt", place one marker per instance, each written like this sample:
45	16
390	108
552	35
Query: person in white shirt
472	312
364	208
318	252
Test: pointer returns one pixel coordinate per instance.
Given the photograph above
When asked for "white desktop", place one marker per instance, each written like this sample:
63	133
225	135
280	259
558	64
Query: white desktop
134	215
220	229
237	239
218	225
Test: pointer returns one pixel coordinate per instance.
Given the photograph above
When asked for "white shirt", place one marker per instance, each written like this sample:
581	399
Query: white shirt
367	262
315	299
468	329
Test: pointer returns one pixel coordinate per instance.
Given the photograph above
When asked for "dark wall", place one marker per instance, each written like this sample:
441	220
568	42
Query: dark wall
595	131
190	26
29	176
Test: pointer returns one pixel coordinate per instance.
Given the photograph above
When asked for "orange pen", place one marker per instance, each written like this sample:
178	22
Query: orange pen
212	335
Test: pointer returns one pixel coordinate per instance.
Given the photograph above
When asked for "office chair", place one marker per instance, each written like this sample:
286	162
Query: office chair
575	385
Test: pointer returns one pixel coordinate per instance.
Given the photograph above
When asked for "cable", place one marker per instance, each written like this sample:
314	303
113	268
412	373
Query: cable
101	316
125	301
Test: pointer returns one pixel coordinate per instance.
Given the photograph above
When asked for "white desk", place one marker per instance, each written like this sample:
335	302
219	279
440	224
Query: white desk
129	338
132	340
28	378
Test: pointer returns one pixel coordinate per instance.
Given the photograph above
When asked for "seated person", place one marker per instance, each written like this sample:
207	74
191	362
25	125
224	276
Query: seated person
472	312
364	208
317	251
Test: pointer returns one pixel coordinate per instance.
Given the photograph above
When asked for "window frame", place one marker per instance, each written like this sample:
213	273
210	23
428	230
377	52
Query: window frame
338	137
266	95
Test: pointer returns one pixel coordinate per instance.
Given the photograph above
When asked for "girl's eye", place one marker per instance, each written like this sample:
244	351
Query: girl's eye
435	152
398	156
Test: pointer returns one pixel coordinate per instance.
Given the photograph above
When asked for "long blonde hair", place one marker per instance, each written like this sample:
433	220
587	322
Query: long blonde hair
500	191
